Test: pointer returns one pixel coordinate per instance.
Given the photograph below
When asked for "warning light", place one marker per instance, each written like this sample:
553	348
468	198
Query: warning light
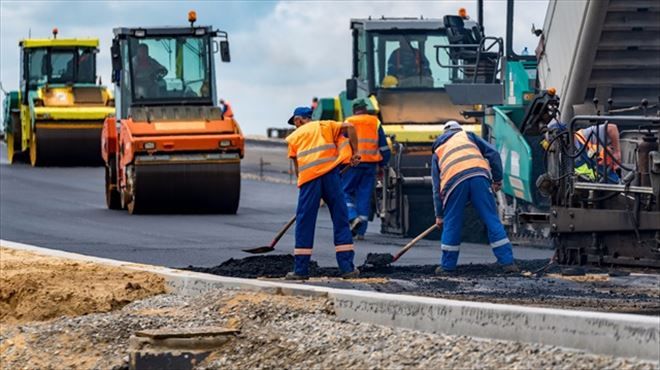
55	31
552	91
462	13
192	17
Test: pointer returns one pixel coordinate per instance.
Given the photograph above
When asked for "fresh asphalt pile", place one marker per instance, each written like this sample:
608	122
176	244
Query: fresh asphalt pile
597	289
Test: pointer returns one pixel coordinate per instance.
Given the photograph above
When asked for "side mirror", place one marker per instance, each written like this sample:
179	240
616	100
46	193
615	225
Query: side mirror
224	51
116	60
351	89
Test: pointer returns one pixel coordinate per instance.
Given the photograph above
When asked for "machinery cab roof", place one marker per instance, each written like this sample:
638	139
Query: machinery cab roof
160	66
59	43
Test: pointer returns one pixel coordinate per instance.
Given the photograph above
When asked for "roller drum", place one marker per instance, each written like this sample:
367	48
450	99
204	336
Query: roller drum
186	187
68	146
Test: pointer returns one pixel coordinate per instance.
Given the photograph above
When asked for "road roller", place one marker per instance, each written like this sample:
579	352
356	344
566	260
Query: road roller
168	147
57	114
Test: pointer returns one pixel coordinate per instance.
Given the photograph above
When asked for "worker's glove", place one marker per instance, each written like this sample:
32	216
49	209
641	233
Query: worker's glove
355	160
438	222
497	186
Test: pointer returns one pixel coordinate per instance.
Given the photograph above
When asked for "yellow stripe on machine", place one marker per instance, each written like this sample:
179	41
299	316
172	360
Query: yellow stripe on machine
67	126
44	43
422	133
72	113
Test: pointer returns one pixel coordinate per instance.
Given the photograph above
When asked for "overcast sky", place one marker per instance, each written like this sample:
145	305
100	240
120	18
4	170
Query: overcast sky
283	52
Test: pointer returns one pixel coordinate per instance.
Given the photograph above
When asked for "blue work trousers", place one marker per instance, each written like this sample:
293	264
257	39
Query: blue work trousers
358	185
328	188
478	191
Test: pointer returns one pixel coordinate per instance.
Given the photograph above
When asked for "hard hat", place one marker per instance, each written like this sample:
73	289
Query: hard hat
452	125
389	81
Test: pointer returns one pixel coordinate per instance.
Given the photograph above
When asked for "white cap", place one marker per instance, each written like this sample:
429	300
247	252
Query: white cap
452	125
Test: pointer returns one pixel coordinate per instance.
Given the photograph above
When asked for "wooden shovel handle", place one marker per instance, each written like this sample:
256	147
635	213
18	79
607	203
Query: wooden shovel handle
414	241
283	231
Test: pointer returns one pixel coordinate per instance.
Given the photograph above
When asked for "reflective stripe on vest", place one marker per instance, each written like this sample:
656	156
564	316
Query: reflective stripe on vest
319	148
366	128
456	155
593	150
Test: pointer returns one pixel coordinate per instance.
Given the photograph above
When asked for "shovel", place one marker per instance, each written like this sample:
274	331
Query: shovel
271	247
384	259
280	234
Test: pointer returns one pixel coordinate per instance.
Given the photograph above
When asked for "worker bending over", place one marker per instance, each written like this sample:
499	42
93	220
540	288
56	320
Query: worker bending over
464	167
358	181
317	149
593	162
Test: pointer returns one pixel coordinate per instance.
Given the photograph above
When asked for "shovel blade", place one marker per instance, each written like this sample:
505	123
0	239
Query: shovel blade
379	259
259	250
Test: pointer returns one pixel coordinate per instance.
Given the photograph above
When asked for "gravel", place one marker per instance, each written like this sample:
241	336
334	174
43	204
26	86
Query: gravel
276	332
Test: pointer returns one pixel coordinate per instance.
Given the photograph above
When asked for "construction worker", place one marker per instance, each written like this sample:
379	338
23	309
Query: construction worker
317	149
593	162
358	181
149	73
464	168
315	103
227	112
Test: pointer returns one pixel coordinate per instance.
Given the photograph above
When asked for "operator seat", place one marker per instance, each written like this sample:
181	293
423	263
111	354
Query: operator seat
457	34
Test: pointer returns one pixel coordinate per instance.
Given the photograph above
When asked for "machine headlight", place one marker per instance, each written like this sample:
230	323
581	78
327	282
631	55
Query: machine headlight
225	143
139	33
149	145
200	32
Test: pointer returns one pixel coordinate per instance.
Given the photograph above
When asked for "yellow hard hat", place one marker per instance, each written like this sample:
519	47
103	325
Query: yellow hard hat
389	81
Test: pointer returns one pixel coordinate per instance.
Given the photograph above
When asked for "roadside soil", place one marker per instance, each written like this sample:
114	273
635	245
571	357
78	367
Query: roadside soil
35	287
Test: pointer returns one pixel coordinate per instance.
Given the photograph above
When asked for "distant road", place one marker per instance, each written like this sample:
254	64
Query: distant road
64	208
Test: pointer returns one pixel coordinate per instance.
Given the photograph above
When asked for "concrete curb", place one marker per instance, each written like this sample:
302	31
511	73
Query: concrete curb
603	333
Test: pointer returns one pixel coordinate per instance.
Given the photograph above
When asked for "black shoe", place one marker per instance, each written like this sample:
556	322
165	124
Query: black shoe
510	269
439	271
354	224
351	275
294	276
359	237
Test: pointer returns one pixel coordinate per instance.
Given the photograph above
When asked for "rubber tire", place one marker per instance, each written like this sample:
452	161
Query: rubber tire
112	196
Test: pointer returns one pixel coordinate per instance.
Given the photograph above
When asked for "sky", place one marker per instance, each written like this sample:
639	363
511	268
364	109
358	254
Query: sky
283	52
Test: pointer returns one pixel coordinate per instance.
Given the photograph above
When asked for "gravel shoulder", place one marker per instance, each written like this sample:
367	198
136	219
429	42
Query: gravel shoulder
276	332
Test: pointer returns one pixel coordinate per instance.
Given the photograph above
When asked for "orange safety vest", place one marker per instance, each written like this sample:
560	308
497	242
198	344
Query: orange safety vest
456	155
318	147
593	150
366	127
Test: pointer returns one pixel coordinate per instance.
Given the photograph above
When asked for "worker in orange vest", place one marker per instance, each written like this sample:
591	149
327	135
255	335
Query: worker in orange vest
358	182
226	109
464	168
317	149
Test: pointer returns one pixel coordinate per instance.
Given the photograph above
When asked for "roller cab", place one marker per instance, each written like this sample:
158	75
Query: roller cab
57	115
169	148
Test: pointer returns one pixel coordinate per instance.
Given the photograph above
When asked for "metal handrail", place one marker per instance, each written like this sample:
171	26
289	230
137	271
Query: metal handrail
479	49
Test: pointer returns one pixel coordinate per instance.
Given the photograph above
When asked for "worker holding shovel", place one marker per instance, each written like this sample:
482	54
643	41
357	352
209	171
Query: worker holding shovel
464	168
317	149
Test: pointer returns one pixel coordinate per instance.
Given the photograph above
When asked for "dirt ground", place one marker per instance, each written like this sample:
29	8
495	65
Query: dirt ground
34	287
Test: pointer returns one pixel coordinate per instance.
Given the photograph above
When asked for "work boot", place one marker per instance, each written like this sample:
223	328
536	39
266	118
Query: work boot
293	276
439	271
351	275
510	269
354	224
359	237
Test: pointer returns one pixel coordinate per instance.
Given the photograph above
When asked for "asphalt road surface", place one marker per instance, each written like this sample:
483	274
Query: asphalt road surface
64	208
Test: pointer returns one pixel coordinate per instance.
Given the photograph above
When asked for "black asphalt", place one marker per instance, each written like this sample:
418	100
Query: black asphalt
64	208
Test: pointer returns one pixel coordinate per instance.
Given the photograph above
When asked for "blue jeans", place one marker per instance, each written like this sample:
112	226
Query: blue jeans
328	188
478	191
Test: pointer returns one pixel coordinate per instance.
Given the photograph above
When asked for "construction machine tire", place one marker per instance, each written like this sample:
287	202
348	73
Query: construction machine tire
187	187
112	195
13	140
35	152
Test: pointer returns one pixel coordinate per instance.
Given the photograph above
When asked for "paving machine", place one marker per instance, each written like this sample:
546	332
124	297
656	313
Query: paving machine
169	145
57	114
405	69
587	219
